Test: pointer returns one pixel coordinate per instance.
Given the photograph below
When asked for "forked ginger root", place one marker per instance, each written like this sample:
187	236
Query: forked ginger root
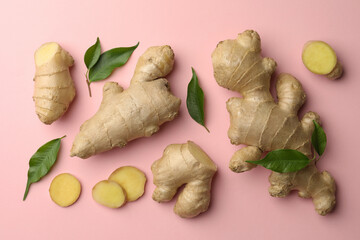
320	58
184	164
131	179
257	121
109	194
136	112
54	89
65	189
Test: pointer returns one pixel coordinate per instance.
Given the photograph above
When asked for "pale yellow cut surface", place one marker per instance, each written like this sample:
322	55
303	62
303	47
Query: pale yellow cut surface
45	53
65	189
319	57
131	179
109	194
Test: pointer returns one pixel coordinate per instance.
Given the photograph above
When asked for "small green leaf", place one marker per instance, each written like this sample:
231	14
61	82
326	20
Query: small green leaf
318	139
92	54
110	60
41	162
195	100
283	160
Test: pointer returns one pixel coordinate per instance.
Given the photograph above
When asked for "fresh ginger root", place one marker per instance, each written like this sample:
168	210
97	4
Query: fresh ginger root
131	179
65	189
136	112
257	121
321	59
109	194
54	89
184	164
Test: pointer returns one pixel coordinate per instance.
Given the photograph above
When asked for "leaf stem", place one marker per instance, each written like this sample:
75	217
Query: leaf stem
206	129
88	82
26	190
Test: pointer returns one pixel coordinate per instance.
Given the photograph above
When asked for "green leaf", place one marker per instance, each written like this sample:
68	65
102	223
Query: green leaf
41	162
318	139
110	60
283	160
195	100
92	54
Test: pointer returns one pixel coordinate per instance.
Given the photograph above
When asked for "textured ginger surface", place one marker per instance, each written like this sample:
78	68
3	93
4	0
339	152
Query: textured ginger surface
264	125
136	112
184	164
54	89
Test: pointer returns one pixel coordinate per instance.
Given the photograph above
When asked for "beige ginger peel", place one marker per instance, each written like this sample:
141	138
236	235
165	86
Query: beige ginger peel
264	125
184	164
138	111
54	89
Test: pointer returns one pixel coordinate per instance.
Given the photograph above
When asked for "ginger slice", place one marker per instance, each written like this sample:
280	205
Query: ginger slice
65	189
131	179
321	59
109	194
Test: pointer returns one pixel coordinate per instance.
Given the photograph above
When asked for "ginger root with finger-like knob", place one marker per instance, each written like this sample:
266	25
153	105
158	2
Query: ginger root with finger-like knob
264	125
184	164
54	89
136	112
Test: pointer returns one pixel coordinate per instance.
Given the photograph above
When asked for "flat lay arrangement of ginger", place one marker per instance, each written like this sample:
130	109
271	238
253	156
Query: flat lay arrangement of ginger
54	88
257	120
264	125
138	111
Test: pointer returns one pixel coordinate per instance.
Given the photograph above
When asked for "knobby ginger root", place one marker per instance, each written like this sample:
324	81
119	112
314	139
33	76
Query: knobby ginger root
131	179
136	112
65	189
264	125
184	164
109	194
54	89
321	59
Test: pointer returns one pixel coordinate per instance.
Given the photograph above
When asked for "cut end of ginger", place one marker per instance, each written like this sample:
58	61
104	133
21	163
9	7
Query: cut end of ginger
46	52
319	57
131	179
65	189
109	194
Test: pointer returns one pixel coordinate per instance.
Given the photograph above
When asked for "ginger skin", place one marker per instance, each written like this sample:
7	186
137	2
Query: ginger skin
138	111
264	125
184	164
54	89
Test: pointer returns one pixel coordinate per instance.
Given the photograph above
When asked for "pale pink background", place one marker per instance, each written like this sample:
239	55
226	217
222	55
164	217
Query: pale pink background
241	207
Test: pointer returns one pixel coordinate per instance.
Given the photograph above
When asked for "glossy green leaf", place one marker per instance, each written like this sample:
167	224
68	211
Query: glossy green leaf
283	160
110	60
41	162
195	100
92	55
318	139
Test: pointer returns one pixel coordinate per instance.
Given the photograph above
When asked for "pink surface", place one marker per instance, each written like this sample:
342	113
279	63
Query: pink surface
241	207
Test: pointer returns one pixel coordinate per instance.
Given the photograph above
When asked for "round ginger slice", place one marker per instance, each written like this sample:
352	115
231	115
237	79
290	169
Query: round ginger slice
131	179
319	58
65	189
109	194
